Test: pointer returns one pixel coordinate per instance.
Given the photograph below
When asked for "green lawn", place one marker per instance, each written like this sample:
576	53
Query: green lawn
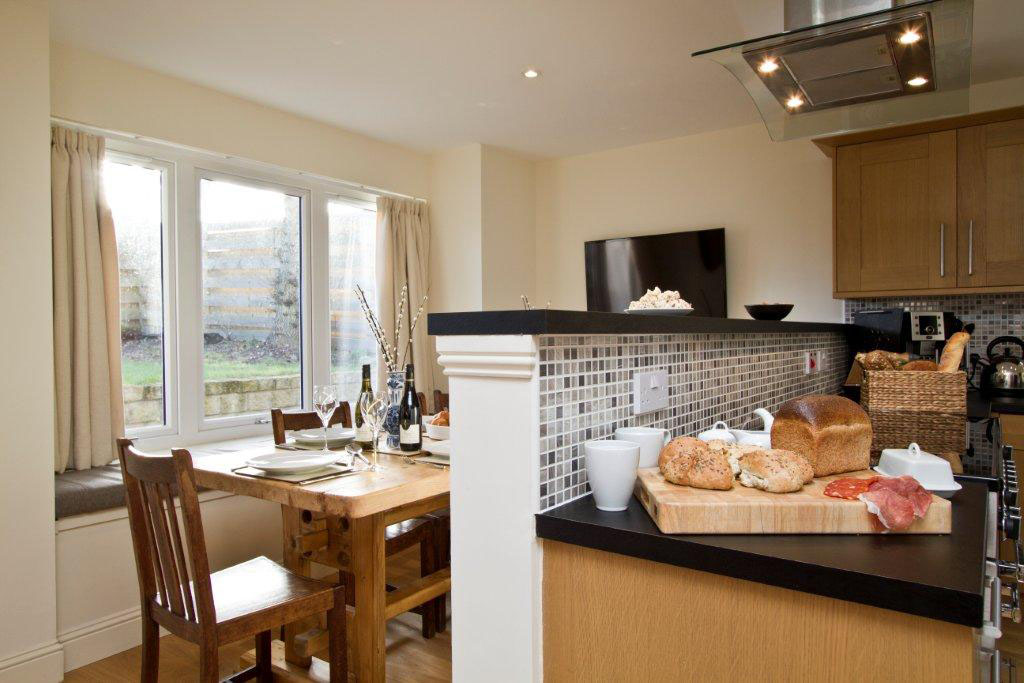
141	372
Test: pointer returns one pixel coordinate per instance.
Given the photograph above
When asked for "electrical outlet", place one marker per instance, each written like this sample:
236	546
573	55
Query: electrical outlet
812	362
650	391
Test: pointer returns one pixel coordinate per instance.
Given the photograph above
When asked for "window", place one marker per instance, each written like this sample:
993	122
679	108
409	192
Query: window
352	250
137	192
252	298
236	290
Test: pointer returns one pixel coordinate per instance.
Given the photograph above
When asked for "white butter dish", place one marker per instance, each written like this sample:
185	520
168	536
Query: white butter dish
931	471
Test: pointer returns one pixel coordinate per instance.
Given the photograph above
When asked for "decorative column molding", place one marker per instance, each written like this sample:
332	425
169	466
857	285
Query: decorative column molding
496	557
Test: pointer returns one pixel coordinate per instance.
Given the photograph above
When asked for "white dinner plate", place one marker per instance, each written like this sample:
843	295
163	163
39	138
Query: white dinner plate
438	448
336	436
291	463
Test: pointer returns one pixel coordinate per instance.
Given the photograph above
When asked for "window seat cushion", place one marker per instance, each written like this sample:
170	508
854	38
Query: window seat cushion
81	491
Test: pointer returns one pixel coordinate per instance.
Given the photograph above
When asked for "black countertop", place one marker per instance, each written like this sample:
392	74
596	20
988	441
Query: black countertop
936	576
544	321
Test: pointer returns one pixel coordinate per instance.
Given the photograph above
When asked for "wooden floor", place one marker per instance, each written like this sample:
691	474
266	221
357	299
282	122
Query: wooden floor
410	657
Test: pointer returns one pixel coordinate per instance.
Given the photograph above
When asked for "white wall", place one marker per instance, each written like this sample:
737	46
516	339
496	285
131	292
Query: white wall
508	195
96	90
773	198
456	224
28	647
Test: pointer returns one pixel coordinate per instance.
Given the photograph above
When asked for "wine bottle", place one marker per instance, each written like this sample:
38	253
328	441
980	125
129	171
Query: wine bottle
363	435
410	437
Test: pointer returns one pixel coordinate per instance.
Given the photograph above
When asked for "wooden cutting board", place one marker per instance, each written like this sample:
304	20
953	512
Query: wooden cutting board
685	510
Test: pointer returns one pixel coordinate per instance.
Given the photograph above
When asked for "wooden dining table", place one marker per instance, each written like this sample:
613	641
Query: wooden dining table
341	522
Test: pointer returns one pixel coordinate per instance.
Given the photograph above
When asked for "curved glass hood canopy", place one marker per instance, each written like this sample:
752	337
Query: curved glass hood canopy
897	62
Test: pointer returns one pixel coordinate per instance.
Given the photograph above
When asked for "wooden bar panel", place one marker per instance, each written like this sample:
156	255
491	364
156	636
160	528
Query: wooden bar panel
608	617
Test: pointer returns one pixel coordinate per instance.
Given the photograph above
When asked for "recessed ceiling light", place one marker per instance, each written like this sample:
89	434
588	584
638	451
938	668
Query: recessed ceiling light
909	37
768	65
795	102
917	81
531	73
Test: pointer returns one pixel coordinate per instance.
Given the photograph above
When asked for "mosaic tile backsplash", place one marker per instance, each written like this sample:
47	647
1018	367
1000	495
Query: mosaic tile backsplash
586	387
994	315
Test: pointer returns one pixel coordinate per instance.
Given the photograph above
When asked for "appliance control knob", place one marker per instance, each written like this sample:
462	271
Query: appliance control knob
1008	454
1011	523
1010	604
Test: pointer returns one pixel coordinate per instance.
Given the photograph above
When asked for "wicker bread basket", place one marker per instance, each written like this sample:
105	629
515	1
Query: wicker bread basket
929	408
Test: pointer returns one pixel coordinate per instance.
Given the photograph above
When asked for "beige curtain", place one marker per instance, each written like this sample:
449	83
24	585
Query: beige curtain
403	256
86	305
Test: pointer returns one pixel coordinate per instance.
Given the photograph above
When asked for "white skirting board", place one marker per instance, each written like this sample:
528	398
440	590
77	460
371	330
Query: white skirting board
43	664
97	586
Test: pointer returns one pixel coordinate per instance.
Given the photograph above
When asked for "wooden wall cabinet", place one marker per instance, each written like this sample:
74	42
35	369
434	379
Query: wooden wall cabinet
933	208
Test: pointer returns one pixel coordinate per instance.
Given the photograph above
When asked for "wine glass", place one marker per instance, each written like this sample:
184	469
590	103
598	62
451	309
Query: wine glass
325	400
375	411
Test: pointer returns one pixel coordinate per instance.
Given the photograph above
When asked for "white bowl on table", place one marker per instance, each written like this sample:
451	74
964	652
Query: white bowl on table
437	432
932	472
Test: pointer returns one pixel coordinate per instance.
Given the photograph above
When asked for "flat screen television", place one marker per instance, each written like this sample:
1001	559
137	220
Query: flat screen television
621	270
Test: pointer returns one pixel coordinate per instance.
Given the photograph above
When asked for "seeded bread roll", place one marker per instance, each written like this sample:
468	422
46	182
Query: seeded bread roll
833	433
710	470
775	471
682	445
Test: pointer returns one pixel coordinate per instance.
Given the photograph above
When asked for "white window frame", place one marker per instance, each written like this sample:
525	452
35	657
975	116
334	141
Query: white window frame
168	287
183	278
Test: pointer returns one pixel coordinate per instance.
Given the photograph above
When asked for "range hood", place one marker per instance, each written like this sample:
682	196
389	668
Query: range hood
847	65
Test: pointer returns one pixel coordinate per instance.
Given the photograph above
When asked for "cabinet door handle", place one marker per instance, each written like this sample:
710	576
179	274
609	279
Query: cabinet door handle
942	250
970	248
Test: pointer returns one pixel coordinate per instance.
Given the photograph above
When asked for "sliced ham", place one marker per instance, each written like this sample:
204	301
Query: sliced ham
895	512
907	487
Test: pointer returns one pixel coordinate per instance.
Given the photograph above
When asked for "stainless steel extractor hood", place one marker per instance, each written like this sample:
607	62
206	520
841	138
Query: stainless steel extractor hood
846	65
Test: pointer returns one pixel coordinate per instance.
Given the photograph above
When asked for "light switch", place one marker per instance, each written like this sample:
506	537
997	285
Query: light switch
650	391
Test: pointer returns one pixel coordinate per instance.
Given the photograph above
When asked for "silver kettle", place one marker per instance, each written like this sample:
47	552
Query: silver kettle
1005	372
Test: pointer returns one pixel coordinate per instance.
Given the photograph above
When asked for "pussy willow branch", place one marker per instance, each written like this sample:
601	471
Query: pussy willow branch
377	330
401	314
412	328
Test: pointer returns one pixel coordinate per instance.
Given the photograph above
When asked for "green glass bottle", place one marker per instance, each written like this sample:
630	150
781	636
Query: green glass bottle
363	436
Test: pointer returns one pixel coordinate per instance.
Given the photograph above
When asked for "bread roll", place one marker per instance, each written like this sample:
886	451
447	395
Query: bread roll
833	433
919	365
710	470
775	471
881	360
953	352
682	445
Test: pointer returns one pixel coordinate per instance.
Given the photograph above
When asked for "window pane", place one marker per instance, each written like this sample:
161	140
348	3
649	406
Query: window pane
135	195
352	235
252	327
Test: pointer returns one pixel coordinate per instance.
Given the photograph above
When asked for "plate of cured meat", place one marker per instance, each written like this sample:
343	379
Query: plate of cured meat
896	502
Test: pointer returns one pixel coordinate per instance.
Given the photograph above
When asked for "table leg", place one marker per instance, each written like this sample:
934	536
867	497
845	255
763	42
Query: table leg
369	622
291	526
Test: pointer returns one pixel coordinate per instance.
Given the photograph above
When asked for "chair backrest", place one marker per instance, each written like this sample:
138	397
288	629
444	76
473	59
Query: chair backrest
284	422
440	401
151	482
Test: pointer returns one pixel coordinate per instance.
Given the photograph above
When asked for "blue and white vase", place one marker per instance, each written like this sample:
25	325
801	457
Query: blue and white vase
396	383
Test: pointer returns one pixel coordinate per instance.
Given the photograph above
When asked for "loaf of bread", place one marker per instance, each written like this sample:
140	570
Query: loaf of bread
881	360
775	471
920	365
691	462
953	352
832	432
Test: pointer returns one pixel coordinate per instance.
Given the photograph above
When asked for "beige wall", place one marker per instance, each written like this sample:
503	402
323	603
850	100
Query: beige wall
508	195
456	220
96	90
774	200
28	649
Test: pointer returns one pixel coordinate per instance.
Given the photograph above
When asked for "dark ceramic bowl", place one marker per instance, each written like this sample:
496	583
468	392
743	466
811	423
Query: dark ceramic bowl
768	311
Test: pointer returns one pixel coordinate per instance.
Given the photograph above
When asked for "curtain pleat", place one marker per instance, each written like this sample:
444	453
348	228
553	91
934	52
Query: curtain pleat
86	305
403	256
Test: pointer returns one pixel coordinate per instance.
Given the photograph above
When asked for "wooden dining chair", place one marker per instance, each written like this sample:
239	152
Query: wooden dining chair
440	401
179	592
421	531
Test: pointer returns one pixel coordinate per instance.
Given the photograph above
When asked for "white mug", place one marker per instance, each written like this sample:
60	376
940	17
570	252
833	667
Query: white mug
611	471
650	439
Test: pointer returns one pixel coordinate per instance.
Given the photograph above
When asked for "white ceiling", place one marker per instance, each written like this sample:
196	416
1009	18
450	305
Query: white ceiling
433	74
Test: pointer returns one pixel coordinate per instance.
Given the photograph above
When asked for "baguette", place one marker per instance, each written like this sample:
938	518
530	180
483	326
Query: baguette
954	352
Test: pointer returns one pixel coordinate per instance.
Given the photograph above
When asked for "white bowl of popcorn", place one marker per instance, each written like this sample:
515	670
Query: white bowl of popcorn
657	302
